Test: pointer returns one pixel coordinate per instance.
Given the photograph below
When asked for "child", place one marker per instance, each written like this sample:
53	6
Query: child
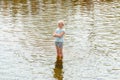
58	34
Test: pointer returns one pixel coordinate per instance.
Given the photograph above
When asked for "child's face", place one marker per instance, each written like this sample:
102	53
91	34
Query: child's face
60	25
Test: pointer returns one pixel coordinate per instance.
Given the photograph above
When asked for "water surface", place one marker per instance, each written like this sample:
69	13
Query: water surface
92	40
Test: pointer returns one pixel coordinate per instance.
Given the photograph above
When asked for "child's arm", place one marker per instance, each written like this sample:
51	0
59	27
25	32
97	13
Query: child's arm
54	34
58	35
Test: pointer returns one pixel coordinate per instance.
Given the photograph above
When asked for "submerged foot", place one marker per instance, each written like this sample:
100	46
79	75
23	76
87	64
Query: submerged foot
59	57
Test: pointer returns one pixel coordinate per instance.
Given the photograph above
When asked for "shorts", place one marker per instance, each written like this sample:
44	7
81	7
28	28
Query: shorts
59	44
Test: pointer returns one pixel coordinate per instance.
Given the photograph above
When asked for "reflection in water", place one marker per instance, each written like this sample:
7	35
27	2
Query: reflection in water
88	3
23	7
35	7
14	7
106	0
5	8
85	6
58	73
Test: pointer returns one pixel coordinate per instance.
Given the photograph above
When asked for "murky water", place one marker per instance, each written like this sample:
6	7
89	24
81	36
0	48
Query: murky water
92	40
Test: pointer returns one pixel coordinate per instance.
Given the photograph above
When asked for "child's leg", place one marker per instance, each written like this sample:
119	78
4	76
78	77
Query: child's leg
60	53
57	50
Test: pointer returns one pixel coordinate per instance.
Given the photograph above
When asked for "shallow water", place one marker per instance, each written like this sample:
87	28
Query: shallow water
92	40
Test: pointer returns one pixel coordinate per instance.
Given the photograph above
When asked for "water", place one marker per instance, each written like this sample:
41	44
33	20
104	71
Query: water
92	40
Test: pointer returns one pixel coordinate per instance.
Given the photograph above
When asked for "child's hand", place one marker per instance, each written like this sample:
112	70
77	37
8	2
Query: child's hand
54	34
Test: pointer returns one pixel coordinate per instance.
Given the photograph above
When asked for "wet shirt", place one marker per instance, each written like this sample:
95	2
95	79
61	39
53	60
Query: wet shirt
59	39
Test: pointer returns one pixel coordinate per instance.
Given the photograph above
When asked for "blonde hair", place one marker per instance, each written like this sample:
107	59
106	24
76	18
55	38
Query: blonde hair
61	21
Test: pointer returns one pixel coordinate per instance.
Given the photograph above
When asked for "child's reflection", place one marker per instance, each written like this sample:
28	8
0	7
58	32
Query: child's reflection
58	73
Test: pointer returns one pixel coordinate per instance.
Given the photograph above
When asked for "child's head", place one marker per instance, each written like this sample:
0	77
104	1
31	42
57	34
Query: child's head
60	24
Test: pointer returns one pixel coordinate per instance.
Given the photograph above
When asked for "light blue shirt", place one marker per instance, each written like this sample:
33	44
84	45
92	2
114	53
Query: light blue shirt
59	39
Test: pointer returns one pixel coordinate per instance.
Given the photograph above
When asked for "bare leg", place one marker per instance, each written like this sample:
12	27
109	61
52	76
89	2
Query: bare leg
57	50
60	53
